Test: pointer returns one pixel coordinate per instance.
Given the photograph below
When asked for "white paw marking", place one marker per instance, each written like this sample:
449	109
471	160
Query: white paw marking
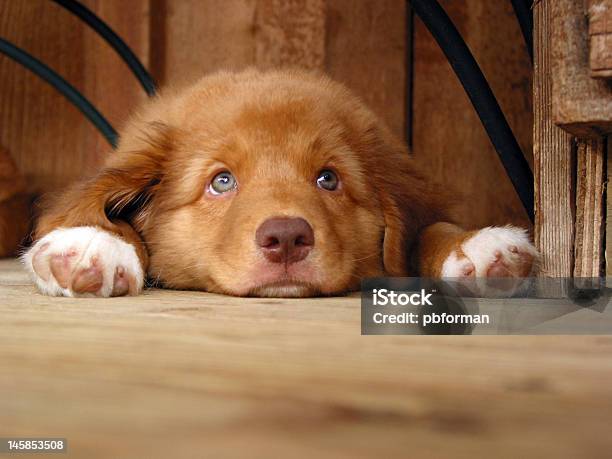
454	266
497	257
84	261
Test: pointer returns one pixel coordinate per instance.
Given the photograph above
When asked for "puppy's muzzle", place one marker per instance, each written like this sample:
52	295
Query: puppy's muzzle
285	240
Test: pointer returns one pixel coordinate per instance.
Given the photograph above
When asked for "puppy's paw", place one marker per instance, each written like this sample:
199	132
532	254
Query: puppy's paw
498	258
84	261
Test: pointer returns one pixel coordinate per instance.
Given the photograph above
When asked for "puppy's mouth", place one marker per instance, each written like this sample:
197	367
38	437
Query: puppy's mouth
285	288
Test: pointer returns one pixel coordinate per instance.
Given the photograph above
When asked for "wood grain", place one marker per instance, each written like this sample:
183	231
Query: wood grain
600	38
290	34
202	37
582	105
50	140
554	160
366	49
449	140
590	185
608	236
109	81
178	374
45	148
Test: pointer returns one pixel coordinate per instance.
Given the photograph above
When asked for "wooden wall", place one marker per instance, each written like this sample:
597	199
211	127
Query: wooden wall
364	43
448	137
36	124
50	140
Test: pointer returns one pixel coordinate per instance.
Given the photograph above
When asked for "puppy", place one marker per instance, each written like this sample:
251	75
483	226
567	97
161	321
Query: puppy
259	184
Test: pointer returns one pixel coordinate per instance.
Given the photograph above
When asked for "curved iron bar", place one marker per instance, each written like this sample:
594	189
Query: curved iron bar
478	90
67	90
522	9
112	39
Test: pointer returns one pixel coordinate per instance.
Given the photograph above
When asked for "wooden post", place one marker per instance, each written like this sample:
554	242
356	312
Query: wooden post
609	212
553	161
590	182
582	105
600	38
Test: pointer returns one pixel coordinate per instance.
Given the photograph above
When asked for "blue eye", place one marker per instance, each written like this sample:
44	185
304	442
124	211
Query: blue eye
222	183
327	180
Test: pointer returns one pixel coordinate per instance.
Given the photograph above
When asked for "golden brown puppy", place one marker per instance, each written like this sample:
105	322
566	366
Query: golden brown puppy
269	184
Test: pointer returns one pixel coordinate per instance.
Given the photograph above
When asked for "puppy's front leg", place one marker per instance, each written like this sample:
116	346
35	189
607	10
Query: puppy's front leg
446	250
87	261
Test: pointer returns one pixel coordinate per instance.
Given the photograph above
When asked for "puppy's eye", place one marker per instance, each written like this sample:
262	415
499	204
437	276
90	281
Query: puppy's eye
222	183
328	180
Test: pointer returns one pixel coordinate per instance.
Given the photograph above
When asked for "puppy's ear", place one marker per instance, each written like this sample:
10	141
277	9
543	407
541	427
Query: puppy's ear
119	193
395	239
408	199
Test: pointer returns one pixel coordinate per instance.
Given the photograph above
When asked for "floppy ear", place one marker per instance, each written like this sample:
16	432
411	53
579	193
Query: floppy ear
408	199
117	199
395	239
407	206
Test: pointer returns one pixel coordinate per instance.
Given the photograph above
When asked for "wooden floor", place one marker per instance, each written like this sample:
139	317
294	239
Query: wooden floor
183	374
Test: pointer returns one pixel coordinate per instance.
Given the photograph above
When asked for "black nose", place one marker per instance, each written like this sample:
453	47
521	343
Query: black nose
285	240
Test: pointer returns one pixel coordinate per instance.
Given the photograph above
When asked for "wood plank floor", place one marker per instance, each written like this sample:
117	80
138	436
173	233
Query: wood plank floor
186	374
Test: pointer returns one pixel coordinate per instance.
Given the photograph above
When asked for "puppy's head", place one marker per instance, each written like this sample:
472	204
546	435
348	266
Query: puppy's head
268	184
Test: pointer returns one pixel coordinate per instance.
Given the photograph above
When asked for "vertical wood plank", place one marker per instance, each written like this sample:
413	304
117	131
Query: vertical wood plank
201	37
366	50
589	254
108	81
608	235
290	34
111	84
553	161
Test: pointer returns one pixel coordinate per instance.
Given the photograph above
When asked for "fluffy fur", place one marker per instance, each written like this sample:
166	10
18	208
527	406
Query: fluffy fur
275	132
15	204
